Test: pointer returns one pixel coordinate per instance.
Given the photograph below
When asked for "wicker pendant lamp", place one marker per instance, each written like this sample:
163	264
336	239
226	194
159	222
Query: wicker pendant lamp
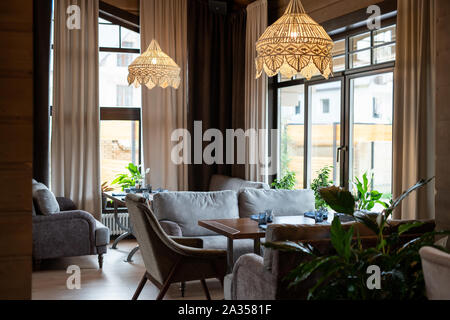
154	68
294	44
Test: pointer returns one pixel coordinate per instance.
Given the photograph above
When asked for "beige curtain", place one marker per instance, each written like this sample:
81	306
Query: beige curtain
164	110
414	107
75	160
255	94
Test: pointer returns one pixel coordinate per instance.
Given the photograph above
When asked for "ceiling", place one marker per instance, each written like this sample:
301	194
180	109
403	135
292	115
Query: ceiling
132	6
320	10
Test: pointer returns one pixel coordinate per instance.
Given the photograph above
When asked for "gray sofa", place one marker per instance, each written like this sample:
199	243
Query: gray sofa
179	212
67	233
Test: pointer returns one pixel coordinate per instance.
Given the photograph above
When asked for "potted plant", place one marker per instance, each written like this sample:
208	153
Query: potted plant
321	181
131	179
343	274
287	182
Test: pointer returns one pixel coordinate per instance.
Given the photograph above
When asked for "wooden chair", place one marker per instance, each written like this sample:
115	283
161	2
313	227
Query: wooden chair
171	260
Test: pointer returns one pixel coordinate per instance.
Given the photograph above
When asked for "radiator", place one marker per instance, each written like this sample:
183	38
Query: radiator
108	220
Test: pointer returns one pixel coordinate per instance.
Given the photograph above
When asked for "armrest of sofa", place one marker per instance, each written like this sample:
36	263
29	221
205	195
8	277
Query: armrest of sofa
251	281
65	204
171	228
64	234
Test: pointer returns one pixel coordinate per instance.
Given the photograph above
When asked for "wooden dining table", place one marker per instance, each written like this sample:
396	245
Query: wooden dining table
246	228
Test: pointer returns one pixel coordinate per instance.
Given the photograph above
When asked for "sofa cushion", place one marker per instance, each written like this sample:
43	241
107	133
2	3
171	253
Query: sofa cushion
240	247
46	202
282	202
36	186
33	209
219	182
187	208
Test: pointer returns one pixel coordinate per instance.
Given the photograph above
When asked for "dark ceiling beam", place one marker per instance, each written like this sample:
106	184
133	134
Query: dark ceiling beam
119	16
346	21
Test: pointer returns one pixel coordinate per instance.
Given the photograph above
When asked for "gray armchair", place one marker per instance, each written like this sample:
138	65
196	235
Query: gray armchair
68	233
171	260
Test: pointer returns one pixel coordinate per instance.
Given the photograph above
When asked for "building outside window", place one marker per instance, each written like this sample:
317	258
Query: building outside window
120	104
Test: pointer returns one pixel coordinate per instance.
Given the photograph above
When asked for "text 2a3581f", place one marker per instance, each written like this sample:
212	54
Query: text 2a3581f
241	309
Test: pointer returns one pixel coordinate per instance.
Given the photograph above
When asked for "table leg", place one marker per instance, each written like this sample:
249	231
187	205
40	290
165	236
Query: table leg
257	246
120	238
230	255
131	254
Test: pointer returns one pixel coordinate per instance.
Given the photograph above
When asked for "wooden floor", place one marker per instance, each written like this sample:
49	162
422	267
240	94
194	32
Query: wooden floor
117	281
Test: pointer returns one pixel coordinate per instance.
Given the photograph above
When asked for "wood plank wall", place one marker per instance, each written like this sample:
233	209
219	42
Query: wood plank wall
443	115
16	113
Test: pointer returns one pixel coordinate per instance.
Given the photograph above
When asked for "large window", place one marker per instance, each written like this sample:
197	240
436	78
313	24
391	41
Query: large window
344	122
120	125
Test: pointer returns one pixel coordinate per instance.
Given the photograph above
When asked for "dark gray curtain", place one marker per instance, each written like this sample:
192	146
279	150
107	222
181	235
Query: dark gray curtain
42	15
216	68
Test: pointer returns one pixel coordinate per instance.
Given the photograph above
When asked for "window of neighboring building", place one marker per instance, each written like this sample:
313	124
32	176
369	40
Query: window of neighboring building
375	108
325	105
347	122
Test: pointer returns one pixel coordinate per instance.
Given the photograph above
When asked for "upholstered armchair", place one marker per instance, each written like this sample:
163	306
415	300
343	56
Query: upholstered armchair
171	260
68	233
436	271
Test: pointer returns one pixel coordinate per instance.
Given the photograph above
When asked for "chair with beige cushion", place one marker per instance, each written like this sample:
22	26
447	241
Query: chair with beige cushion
436	271
171	260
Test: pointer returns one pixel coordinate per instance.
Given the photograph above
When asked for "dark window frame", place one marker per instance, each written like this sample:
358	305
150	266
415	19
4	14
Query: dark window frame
344	76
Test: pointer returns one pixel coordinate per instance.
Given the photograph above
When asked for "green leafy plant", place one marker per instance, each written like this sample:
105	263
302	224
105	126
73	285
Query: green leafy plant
339	199
127	180
343	274
342	201
287	182
321	181
365	197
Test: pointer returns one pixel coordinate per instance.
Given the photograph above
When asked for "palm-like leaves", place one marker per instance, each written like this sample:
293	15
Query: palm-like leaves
338	199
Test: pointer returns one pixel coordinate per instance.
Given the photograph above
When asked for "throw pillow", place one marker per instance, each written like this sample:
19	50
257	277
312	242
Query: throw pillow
46	202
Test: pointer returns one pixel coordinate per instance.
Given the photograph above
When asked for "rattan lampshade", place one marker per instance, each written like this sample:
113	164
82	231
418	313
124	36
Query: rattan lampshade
294	44
154	68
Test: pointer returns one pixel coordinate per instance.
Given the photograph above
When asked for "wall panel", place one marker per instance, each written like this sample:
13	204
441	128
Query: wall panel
16	108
